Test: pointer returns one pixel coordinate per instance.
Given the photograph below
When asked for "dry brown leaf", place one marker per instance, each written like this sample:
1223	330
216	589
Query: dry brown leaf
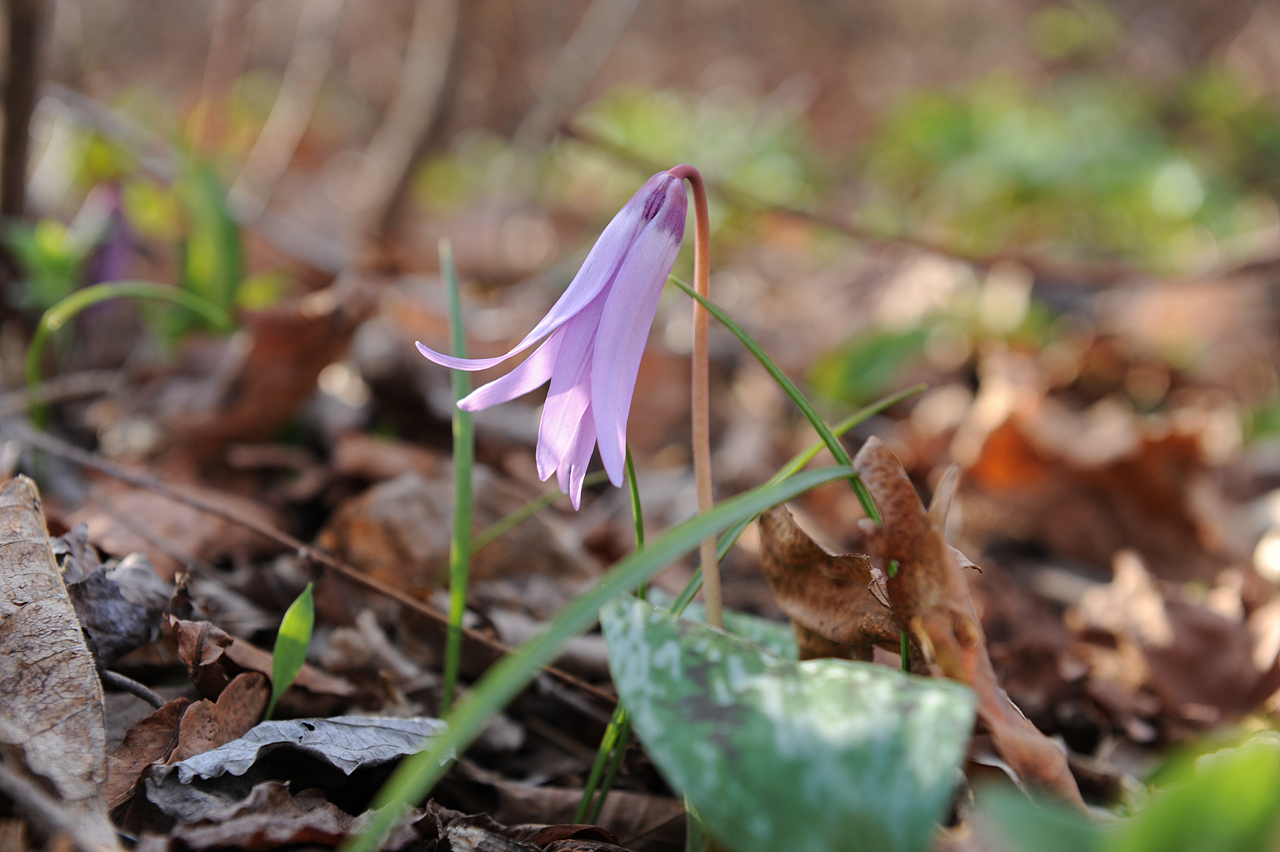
1160	642
268	818
213	658
50	695
150	741
930	597
207	725
259	384
398	532
127	520
827	597
374	458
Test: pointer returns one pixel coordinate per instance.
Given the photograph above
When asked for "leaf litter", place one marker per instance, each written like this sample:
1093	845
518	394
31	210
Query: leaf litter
1105	493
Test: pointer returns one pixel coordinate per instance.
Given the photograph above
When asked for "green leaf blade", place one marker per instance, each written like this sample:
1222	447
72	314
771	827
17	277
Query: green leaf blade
291	645
815	756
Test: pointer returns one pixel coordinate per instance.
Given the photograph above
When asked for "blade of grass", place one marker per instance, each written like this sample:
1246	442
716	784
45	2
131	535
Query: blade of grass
66	310
291	646
612	734
415	776
508	522
797	463
463	458
620	750
797	396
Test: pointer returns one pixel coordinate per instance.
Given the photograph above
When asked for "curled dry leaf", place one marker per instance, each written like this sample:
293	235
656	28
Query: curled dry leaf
50	695
213	658
828	598
930	598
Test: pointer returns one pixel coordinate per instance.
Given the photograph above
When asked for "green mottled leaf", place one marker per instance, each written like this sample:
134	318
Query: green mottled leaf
291	645
823	755
774	636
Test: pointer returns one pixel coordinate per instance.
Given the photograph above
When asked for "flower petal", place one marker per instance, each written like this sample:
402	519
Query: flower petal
570	390
531	374
582	458
624	326
596	272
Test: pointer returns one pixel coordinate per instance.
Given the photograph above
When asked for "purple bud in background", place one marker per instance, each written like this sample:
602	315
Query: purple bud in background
595	335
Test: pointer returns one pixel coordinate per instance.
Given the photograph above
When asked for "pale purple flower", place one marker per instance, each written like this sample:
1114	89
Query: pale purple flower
595	335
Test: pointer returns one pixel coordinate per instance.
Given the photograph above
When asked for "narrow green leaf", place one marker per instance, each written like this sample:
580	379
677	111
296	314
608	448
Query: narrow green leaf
464	449
818	756
291	646
416	775
797	396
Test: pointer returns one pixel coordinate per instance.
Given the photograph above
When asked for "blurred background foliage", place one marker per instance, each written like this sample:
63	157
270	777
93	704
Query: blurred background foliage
1085	140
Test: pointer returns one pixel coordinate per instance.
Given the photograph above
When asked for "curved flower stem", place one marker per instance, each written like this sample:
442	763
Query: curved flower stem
701	414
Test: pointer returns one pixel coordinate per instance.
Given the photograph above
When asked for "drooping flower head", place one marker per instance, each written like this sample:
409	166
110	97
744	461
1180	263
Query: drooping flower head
594	336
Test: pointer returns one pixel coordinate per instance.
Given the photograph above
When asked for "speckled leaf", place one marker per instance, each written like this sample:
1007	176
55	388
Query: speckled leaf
823	755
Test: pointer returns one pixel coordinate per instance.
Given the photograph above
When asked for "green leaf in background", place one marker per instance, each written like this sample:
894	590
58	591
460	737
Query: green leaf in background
869	365
818	756
50	259
291	646
213	262
1225	801
1229	803
63	312
1027	826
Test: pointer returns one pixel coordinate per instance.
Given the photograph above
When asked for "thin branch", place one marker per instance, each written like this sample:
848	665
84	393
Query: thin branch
131	686
23	433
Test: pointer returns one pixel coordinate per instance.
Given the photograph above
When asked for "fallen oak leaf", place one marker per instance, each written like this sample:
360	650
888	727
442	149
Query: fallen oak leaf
931	599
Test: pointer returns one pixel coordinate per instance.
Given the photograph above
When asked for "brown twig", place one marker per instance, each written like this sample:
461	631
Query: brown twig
225	61
25	434
131	686
59	389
